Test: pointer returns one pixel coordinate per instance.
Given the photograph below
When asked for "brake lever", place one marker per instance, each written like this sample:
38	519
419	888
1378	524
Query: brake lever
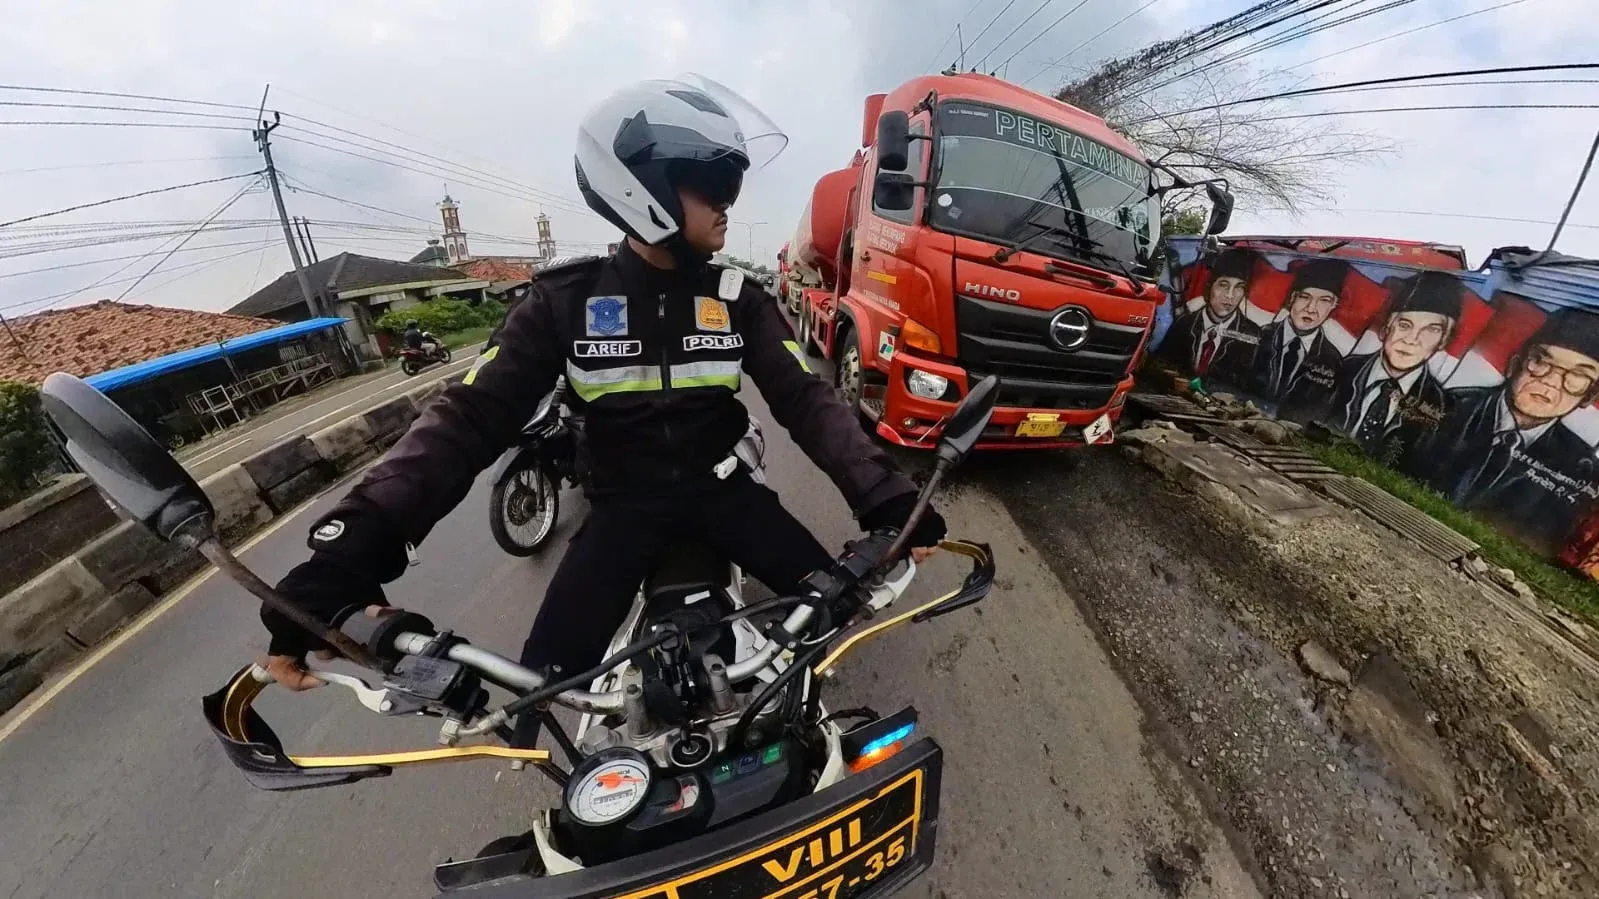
374	699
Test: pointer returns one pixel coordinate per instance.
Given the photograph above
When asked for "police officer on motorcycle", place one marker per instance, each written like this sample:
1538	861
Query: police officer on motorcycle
654	342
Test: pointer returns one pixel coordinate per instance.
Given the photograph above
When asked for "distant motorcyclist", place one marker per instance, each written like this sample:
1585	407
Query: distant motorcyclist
418	339
653	342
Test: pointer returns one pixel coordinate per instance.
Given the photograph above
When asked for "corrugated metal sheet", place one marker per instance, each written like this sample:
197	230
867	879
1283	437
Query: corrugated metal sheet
1561	280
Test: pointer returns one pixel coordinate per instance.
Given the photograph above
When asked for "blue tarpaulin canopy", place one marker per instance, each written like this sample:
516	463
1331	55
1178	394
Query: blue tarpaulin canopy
107	381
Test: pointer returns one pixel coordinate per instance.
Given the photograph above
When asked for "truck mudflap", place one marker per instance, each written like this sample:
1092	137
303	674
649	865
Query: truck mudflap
866	836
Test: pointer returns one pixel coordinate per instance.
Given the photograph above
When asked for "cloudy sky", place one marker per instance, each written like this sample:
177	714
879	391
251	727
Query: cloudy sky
404	97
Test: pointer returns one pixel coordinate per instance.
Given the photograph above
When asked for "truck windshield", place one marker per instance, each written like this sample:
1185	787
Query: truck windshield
1005	177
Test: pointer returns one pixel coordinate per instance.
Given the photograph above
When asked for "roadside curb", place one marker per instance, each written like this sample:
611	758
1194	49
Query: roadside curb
1462	695
86	597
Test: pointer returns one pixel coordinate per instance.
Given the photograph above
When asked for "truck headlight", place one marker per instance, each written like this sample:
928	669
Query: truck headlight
926	385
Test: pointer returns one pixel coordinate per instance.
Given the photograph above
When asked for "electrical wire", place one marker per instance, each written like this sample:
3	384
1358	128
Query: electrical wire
100	108
188	237
1406	32
1373	82
991	22
143	193
1109	28
1009	34
96	165
1459	215
1046	30
181	126
187	265
1333	112
88	93
951	36
135	256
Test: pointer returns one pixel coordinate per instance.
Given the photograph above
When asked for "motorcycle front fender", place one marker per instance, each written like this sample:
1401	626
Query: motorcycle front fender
525	455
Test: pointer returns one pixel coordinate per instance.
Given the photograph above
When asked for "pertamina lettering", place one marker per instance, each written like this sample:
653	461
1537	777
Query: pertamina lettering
713	342
598	349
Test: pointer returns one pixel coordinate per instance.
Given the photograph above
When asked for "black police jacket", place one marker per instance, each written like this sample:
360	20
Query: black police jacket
653	360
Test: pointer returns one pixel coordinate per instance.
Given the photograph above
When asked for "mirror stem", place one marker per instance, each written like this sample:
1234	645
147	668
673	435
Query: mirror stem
218	555
923	500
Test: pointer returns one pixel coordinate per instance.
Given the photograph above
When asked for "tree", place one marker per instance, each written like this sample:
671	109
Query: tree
1185	220
1173	100
26	450
443	316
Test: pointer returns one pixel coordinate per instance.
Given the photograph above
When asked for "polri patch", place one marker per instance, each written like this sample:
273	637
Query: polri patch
605	316
606	349
713	342
711	315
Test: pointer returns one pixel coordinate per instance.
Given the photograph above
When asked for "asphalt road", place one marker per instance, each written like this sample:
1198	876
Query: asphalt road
311	412
1052	786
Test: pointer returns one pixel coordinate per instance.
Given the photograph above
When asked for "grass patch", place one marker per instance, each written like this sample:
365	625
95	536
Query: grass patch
468	337
1570	590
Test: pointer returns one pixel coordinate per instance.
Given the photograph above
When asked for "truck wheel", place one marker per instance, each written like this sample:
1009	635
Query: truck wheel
794	297
806	341
849	376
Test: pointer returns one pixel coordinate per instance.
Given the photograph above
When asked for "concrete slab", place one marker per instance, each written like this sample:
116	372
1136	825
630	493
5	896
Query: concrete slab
237	499
109	615
392	417
125	552
36	612
1207	466
279	463
299	488
345	444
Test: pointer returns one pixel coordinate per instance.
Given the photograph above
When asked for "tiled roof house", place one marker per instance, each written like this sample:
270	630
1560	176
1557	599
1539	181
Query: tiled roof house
87	340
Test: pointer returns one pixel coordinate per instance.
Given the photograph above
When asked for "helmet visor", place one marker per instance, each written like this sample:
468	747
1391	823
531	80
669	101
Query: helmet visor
763	140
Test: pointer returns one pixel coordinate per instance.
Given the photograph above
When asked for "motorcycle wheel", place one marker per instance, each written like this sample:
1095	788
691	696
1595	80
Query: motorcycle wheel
409	367
444	354
523	509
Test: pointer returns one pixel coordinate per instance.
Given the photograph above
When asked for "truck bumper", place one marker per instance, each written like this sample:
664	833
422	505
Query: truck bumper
914	421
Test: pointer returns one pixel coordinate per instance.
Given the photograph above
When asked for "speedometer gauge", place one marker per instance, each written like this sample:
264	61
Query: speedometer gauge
608	786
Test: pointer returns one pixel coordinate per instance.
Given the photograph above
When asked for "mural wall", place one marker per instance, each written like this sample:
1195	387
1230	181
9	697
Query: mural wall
1467	381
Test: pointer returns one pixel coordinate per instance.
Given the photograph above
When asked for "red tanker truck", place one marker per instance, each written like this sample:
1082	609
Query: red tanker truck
985	229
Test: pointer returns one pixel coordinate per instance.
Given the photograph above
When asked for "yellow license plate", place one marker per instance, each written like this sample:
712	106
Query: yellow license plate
1040	427
841	857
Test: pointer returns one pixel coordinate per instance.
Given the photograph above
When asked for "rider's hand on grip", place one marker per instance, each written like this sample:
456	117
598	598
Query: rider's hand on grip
289	671
323	586
894	512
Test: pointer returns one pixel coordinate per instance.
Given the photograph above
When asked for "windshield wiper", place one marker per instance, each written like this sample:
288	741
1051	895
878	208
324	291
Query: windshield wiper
1088	249
1122	268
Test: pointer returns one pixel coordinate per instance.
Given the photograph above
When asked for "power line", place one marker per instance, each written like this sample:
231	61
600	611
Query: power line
88	93
1019	25
1460	215
187	265
135	256
991	23
1333	112
1407	31
1373	82
190	236
143	193
182	126
103	108
1113	26
97	165
1051	27
952	33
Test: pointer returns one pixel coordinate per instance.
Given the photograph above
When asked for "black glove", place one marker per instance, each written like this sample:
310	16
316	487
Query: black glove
353	555
893	512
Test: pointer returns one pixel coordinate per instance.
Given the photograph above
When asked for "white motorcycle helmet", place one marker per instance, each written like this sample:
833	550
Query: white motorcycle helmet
639	145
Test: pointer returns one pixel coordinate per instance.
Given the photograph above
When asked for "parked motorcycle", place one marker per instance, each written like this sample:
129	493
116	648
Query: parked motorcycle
432	353
704	764
525	502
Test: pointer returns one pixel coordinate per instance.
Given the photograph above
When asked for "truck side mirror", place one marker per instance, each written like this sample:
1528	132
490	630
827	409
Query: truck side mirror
1221	208
894	191
893	141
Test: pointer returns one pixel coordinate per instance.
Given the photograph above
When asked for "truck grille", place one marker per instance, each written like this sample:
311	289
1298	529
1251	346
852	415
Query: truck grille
1012	342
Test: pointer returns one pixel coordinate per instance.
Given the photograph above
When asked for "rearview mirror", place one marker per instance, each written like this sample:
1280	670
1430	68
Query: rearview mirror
1221	208
894	191
967	423
125	462
893	141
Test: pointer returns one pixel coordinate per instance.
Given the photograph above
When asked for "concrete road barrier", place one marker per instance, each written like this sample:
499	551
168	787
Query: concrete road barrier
83	599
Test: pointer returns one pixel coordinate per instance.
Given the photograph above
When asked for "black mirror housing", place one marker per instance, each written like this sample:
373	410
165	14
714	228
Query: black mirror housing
893	141
967	423
1221	208
894	191
125	462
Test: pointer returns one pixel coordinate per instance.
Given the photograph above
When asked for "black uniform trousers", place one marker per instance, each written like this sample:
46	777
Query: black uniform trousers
624	536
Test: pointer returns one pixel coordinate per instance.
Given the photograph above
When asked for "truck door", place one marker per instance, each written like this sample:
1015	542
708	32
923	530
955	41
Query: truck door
884	273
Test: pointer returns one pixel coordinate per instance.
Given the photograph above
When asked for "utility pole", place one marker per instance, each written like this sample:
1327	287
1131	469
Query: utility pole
1575	192
751	226
262	137
303	229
